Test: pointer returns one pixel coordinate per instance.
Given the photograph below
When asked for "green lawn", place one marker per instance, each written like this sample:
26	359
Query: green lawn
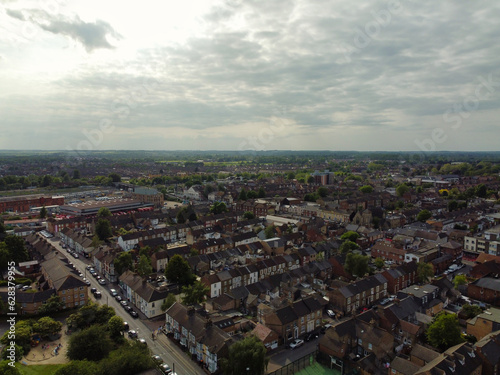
38	369
317	369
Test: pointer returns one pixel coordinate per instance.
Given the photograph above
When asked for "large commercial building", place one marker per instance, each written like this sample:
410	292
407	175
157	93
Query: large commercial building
92	207
26	202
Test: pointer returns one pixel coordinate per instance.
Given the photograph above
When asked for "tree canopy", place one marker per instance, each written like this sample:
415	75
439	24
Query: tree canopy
218	208
348	246
194	293
179	271
144	267
356	264
104	212
47	326
350	235
424	272
366	189
103	229
444	331
169	301
424	215
123	262
92	343
246	356
402	189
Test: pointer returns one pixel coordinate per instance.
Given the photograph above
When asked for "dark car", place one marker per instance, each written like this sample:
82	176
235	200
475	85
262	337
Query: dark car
97	295
93	290
127	308
133	314
124	303
118	298
311	336
125	326
132	334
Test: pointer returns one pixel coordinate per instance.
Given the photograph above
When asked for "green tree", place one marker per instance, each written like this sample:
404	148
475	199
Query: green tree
144	267
24	331
356	264
43	212
2	228
18	353
379	263
186	213
79	368
47	326
218	208
76	174
96	242
459	280
481	190
243	195
348	246
269	232
366	189
130	359
194	293
350	235
246	356
322	191
104	212
92	344
6	369
103	229
444	331
424	272
261	193
424	215
115	177
169	301
470	311
178	271
115	327
452	205
249	215
52	305
252	194
17	251
402	189
123	262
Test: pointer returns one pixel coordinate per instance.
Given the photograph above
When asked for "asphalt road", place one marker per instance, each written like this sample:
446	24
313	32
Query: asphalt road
168	351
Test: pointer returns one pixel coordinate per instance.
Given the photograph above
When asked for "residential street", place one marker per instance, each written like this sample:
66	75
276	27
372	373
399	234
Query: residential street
161	346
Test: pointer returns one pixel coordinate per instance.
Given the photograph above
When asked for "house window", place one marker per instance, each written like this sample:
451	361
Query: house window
302	320
370	346
63	292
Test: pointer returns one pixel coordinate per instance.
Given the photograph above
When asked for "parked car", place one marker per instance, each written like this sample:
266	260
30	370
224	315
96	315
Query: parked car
113	292
124	303
132	334
142	341
97	295
330	313
118	298
165	369
157	359
296	343
133	314
93	290
125	326
102	281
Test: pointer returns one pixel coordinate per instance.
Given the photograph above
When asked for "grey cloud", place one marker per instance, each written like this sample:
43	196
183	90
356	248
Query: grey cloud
92	35
16	14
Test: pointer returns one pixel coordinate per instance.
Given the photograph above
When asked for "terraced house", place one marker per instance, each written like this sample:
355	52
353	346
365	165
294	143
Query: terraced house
57	274
202	339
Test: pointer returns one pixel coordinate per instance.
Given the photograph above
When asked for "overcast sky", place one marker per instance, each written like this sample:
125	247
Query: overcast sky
246	74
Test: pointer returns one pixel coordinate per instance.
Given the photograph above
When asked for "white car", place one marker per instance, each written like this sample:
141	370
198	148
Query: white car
296	343
330	313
